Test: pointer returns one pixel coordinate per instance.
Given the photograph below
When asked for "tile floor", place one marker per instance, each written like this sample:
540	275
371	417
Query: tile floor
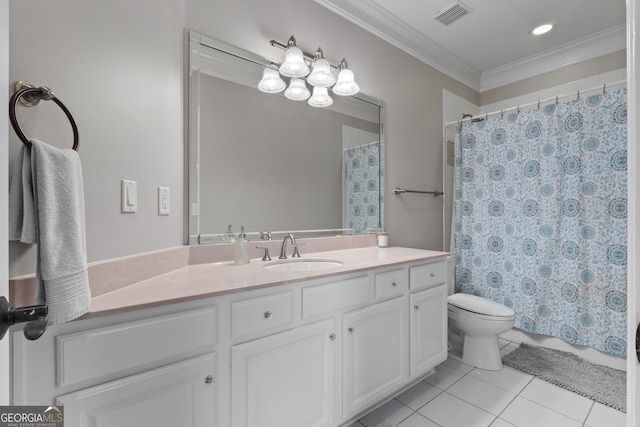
458	395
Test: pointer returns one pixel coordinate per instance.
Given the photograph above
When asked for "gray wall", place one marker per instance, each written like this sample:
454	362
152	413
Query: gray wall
570	73
117	65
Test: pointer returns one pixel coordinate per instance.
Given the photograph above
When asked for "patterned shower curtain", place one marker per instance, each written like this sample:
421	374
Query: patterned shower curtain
540	217
362	168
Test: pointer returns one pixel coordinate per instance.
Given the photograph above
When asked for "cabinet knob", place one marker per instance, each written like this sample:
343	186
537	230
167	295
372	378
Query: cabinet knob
417	307
268	315
332	337
432	275
208	380
350	330
393	284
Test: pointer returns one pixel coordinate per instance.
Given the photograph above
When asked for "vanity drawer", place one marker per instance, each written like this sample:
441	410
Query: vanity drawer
330	297
261	314
132	347
390	284
428	275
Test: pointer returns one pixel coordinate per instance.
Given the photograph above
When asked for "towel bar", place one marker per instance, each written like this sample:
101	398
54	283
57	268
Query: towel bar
436	193
30	96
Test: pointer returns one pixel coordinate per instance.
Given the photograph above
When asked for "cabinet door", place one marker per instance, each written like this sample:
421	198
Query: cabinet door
375	353
180	394
428	329
286	379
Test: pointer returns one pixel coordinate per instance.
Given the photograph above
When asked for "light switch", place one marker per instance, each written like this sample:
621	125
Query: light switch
129	193
163	201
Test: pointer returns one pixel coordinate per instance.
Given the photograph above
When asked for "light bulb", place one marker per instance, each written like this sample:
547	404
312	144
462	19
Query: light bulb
294	65
297	90
542	29
321	74
346	84
271	82
320	97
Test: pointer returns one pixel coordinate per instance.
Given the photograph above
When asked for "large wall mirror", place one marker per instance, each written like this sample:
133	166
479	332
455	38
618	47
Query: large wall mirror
272	164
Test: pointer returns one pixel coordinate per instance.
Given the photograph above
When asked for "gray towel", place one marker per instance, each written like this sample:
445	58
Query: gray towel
55	177
22	220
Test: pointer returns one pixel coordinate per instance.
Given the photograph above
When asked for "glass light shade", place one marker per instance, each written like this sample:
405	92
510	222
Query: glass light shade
271	82
297	90
321	74
346	84
320	97
294	65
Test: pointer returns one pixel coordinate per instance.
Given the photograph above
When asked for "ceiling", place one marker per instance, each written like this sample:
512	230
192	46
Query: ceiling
492	45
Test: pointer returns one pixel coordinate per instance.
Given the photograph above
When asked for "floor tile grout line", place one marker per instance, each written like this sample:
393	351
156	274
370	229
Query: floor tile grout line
557	412
593	404
510	402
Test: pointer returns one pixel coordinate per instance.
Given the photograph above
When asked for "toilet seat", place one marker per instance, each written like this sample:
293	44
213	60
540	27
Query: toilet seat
477	306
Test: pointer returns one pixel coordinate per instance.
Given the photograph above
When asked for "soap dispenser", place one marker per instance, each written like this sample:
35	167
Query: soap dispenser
241	248
228	236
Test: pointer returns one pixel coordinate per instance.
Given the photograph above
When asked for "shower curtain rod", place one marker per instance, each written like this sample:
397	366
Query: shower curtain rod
537	103
366	144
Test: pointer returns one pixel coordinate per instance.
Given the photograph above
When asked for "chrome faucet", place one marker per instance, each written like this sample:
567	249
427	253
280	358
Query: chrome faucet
283	250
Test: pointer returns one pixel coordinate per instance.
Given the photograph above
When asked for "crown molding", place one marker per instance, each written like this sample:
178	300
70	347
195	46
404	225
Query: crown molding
380	22
584	49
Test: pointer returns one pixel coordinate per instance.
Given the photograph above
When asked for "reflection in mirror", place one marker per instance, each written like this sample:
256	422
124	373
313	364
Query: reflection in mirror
272	164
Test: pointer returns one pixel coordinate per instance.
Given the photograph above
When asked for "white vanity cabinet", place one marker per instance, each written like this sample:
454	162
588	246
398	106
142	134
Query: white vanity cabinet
315	352
375	353
428	316
179	394
285	379
428	324
155	370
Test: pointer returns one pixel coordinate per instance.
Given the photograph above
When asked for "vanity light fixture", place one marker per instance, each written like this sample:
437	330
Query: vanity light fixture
297	65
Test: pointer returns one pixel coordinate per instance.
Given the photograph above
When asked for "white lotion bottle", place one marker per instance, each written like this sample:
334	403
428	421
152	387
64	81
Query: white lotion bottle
241	248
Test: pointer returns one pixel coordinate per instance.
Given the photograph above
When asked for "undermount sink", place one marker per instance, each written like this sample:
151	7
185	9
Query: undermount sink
303	264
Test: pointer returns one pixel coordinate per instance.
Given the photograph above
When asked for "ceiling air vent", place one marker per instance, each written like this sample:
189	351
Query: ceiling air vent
452	13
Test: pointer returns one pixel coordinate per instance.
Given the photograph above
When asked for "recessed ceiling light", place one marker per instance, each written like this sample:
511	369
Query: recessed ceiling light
542	29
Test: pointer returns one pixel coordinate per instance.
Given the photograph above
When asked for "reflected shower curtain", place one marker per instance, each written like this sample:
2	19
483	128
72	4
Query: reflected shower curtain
362	168
541	217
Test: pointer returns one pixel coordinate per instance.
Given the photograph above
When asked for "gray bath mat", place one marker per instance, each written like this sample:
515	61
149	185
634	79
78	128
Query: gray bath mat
601	383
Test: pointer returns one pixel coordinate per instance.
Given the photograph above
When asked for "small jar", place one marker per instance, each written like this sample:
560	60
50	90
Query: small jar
383	239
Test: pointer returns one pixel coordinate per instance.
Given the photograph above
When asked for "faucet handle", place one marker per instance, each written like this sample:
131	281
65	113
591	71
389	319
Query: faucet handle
296	254
265	235
266	256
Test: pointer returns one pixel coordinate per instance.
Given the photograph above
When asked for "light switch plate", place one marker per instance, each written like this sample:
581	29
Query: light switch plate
129	196
164	201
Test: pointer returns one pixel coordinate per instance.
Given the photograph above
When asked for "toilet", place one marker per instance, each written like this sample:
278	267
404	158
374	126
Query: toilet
474	326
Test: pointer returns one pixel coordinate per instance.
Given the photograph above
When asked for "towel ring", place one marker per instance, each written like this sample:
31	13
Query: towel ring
30	96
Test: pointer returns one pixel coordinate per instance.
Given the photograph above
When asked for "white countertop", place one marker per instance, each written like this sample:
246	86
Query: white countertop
219	278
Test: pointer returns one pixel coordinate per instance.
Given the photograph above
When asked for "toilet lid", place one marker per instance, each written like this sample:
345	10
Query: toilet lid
479	305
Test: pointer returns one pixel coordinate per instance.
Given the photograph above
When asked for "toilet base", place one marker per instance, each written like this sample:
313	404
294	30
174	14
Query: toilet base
483	353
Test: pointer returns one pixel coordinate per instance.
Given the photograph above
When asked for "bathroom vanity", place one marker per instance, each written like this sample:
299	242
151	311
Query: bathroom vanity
245	346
